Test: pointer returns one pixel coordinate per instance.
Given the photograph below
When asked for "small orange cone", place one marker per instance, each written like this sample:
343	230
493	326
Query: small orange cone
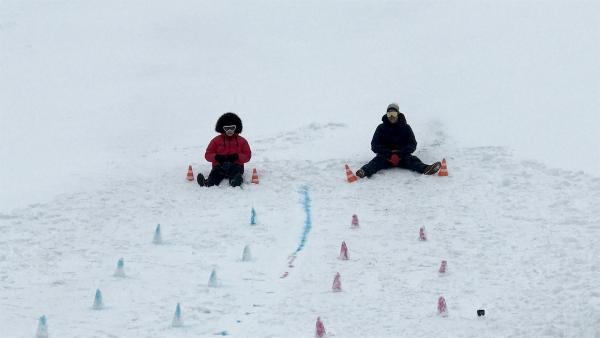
190	174
444	169
350	175
254	176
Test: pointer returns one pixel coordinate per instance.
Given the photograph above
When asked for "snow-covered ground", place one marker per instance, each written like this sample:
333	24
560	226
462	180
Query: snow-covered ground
103	104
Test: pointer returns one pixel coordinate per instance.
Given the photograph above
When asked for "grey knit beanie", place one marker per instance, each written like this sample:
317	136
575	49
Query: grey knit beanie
393	106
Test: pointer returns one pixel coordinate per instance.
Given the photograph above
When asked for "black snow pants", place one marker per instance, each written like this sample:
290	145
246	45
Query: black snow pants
409	162
228	170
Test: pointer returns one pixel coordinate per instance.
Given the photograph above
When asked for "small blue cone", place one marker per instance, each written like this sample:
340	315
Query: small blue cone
246	255
98	303
253	217
157	235
42	330
120	272
177	321
212	281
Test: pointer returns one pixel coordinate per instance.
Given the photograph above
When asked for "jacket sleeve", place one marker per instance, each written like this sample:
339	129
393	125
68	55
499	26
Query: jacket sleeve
246	153
377	144
411	146
211	151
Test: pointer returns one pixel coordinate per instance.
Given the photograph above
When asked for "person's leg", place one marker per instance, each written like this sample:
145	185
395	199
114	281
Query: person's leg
235	175
215	177
376	164
413	163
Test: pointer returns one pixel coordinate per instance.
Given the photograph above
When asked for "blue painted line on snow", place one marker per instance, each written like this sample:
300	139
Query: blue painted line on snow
307	220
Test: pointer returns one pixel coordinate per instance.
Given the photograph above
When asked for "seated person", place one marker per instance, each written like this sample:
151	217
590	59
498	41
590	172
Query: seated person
394	143
228	152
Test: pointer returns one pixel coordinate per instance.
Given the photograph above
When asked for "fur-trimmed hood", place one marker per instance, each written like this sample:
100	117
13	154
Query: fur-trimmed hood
228	119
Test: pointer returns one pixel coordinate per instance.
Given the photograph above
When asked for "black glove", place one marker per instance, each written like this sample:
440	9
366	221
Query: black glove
226	166
233	157
220	158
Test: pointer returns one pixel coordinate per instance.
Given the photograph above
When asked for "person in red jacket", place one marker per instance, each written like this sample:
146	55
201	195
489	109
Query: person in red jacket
227	152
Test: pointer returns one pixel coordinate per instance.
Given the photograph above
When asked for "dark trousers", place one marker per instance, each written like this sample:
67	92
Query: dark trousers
409	162
221	171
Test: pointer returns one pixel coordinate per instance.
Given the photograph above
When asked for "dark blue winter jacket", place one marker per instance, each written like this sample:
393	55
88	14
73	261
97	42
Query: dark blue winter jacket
393	137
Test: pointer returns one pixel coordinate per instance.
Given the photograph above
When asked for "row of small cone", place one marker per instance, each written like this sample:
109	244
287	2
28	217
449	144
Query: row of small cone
320	327
42	329
350	177
337	282
190	175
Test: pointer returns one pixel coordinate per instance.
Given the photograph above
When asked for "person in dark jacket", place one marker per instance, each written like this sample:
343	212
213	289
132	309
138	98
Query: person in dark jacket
394	142
227	152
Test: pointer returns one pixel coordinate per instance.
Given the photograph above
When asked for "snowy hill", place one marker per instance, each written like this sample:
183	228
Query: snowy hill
104	104
519	239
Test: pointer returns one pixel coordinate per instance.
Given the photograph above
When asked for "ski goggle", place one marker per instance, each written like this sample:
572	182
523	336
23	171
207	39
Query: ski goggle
229	128
392	113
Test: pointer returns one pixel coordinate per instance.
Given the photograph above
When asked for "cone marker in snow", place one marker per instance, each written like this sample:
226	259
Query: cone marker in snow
442	310
350	175
422	234
120	272
254	176
354	223
443	267
337	283
212	281
42	329
177	321
190	174
157	235
246	255
98	303
343	252
443	169
253	217
320	332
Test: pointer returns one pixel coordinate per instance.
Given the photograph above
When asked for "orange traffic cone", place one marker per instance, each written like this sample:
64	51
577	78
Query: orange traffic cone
444	169
254	176
350	175
190	174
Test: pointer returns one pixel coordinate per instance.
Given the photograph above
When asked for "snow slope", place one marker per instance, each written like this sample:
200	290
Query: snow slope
519	239
103	105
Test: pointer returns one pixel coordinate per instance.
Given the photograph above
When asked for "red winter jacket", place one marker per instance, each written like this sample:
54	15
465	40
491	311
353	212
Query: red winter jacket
226	145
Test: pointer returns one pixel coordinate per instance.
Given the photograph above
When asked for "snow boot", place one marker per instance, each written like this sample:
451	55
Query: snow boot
236	180
360	173
201	180
432	168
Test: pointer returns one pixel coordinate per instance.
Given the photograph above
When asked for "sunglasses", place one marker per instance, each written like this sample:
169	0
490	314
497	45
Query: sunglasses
392	113
229	128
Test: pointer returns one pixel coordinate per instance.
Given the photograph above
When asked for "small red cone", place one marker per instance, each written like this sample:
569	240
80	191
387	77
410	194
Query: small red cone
337	283
443	267
254	176
350	175
190	174
442	309
354	221
344	252
443	169
422	235
320	333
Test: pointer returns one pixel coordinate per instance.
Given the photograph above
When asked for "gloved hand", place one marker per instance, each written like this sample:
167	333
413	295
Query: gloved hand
232	157
225	166
220	158
394	159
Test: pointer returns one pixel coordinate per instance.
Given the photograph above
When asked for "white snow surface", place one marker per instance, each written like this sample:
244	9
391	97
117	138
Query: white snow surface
104	104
